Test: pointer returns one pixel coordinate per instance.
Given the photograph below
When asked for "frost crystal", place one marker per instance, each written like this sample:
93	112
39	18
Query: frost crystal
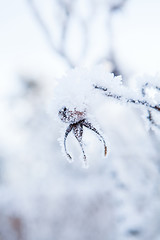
76	93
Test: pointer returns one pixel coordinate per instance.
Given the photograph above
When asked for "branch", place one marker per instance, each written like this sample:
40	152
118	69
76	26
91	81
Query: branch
128	100
48	35
151	120
113	7
150	115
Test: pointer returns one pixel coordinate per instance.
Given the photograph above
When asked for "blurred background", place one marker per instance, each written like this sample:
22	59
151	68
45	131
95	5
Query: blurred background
42	196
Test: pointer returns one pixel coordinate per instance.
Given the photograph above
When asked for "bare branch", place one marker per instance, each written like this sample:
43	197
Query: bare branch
48	35
151	120
115	6
150	115
128	100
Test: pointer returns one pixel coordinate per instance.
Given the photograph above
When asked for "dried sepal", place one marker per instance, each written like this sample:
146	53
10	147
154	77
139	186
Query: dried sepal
78	120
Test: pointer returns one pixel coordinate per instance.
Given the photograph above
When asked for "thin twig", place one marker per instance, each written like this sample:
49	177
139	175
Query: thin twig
150	115
151	120
128	100
47	34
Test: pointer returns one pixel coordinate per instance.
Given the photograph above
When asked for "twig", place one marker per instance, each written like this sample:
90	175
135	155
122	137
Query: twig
151	120
150	115
48	35
128	100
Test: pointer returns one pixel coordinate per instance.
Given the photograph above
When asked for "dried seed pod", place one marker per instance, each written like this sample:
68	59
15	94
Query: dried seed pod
74	116
77	120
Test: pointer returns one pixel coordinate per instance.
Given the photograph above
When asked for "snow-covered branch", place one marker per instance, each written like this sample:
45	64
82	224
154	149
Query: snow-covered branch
128	100
138	102
90	84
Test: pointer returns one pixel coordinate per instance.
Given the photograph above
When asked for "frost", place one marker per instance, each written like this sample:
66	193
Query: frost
78	95
42	196
76	89
75	94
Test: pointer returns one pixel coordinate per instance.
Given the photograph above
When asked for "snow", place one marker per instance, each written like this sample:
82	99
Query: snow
117	197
